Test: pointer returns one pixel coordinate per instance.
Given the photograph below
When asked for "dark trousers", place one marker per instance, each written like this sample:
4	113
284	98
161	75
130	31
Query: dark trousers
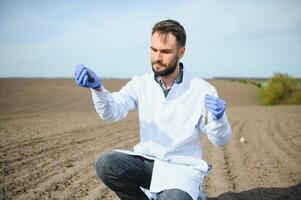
125	174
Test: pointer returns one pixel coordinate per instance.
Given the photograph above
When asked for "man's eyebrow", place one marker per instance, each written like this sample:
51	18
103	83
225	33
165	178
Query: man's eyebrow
165	50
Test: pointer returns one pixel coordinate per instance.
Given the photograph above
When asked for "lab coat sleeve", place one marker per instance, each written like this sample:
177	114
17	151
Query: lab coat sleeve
219	131
115	106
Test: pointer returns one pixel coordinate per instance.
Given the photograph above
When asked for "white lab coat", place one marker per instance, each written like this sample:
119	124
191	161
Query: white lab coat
169	127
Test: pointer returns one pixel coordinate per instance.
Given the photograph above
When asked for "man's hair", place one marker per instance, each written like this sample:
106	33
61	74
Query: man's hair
173	27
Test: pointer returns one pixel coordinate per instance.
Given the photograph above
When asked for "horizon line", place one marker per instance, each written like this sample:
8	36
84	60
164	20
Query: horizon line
121	78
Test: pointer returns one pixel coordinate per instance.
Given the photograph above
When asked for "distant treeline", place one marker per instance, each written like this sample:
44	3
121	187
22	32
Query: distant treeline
260	79
279	89
258	82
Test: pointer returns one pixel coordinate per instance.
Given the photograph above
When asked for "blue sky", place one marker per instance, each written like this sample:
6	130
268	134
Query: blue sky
224	37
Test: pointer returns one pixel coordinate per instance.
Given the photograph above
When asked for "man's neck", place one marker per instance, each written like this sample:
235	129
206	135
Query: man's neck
168	80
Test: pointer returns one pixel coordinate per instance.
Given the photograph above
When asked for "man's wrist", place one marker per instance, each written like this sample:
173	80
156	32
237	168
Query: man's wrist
98	89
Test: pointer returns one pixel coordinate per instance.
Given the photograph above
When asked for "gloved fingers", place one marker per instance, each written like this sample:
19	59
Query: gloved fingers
212	102
210	97
221	102
77	76
217	102
79	69
216	114
92	75
222	108
85	81
215	109
221	112
89	71
217	105
211	106
91	78
77	79
81	77
213	98
94	80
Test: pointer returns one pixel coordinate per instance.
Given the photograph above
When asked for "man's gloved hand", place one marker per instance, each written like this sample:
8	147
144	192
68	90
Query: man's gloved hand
85	77
215	105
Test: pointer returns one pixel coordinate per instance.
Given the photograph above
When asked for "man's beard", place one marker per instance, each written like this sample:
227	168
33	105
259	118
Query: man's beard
168	70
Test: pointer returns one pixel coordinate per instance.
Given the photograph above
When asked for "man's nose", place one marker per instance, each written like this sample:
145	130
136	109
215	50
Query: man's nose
158	56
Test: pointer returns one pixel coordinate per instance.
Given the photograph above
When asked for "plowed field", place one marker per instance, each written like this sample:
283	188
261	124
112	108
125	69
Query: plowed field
50	138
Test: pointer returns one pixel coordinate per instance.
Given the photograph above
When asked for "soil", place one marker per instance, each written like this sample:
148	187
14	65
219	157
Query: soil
51	136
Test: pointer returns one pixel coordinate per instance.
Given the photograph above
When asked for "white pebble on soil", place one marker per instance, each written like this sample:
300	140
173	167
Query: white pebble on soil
242	139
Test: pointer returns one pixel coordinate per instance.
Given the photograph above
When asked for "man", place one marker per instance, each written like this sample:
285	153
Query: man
173	105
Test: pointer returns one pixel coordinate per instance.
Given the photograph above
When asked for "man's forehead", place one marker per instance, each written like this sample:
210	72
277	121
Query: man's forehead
165	38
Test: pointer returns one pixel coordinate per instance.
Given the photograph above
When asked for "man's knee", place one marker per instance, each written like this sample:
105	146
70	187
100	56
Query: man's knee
103	166
174	194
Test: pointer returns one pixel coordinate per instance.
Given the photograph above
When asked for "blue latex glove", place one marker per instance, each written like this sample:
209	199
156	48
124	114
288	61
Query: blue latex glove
85	77
216	106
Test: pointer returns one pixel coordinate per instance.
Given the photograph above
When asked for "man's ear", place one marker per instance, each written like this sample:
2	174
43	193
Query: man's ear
181	52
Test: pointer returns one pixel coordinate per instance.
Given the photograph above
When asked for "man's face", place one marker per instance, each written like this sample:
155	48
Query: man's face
165	53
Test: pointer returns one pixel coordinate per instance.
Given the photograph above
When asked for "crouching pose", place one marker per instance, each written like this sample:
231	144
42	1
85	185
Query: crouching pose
174	108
